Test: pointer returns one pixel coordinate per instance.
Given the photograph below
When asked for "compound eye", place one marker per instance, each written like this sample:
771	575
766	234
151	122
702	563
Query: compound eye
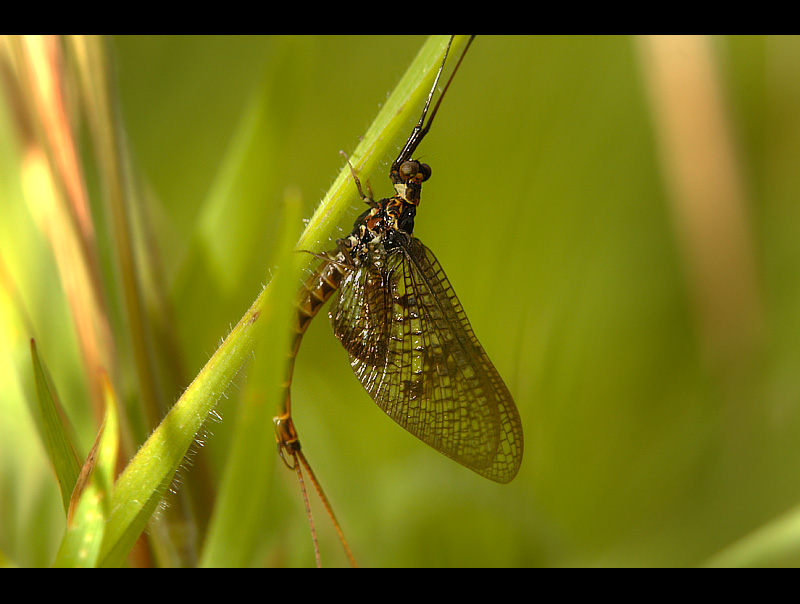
425	171
409	169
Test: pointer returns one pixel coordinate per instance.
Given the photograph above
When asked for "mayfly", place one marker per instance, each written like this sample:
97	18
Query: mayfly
409	340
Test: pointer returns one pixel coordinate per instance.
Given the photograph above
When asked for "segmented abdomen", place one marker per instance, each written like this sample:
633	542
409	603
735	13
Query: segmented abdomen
315	291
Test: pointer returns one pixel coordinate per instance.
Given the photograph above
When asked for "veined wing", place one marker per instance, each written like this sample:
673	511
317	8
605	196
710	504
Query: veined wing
412	348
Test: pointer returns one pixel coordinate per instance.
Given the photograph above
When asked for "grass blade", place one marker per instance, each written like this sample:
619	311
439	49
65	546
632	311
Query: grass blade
55	433
86	521
776	543
234	536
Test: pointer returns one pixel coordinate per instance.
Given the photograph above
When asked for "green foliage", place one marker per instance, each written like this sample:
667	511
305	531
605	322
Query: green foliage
54	433
653	437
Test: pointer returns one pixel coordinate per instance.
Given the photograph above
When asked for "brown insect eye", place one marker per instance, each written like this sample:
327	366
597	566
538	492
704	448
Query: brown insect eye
425	171
409	169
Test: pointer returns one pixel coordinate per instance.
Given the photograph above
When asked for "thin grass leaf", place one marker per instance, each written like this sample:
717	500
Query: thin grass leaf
241	506
55	434
144	481
776	543
5	561
148	314
86	521
119	195
226	233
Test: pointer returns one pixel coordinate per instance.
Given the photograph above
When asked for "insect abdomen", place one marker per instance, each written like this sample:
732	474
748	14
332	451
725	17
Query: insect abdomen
316	290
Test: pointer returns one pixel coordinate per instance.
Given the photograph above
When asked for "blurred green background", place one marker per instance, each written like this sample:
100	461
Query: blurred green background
650	439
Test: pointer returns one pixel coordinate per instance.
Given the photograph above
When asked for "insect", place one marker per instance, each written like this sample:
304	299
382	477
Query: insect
410	343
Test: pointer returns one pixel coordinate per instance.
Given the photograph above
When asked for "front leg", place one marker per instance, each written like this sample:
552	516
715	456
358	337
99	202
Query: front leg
366	198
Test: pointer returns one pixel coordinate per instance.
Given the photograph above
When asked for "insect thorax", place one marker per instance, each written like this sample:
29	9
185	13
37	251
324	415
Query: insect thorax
378	229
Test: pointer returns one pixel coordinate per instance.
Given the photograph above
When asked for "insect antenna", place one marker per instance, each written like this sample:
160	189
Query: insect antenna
419	131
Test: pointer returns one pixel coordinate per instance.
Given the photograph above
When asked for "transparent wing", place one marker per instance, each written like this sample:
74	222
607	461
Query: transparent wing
412	348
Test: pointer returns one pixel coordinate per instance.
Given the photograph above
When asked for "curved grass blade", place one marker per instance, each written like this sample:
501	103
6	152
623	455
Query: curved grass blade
88	512
144	481
776	543
55	434
232	539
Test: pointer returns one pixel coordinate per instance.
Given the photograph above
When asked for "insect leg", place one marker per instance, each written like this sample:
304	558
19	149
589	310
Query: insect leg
366	198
